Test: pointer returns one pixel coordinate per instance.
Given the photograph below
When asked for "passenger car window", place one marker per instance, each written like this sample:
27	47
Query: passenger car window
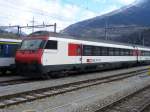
110	51
1	50
87	50
104	51
51	44
96	51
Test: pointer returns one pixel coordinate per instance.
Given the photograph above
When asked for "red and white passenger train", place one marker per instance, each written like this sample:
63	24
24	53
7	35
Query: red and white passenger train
45	54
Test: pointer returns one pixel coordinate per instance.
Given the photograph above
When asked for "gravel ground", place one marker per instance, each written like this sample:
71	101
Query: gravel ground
130	104
84	100
54	82
147	110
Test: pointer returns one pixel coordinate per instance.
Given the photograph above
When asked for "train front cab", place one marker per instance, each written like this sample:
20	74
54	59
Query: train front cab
28	56
39	56
143	56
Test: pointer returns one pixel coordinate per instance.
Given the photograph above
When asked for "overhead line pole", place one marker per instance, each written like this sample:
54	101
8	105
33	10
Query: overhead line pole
33	22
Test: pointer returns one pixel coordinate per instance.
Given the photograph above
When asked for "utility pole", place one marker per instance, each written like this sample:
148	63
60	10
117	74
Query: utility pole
18	30
141	37
55	25
33	23
143	41
106	25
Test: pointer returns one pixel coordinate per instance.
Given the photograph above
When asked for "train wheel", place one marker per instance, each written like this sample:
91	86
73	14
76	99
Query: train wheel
45	76
13	72
58	74
54	75
3	71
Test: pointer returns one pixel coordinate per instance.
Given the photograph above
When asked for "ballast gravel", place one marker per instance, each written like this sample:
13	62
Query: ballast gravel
19	88
84	100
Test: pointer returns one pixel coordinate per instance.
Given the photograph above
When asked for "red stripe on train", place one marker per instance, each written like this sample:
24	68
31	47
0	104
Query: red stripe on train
74	49
29	56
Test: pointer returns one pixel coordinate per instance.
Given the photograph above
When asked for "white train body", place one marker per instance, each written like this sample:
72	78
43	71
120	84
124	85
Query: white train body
60	54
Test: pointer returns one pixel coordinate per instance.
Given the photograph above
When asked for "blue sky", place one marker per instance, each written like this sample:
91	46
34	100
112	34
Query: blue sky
62	12
98	5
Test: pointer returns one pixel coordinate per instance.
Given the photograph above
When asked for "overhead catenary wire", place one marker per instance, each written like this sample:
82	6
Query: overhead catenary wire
39	11
36	12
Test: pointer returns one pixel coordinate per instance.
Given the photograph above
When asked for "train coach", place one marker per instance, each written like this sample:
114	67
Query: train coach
45	54
8	49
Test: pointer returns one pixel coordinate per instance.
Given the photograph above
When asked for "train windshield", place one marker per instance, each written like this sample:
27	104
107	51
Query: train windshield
32	44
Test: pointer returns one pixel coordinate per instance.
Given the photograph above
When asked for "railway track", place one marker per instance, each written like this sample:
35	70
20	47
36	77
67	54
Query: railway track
28	96
147	108
16	81
136	102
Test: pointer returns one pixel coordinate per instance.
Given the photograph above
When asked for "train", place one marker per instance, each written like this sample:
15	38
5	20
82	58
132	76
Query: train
8	49
44	54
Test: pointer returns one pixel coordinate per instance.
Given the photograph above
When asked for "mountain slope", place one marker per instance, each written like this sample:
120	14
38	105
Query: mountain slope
133	15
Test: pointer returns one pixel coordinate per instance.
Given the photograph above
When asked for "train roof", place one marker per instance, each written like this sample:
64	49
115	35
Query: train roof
89	40
103	42
9	40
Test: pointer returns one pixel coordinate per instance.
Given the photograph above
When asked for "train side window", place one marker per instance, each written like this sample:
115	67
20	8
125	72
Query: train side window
96	51
141	53
13	49
1	50
147	53
5	50
87	50
116	52
126	52
110	51
144	54
51	44
104	51
122	52
130	51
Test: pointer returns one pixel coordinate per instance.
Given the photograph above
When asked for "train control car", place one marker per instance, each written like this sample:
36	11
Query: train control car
143	55
8	49
46	54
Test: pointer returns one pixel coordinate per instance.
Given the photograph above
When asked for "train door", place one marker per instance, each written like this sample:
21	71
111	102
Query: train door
134	53
5	51
1	50
76	51
137	54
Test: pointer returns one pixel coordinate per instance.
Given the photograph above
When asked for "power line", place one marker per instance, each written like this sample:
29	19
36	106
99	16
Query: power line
33	22
38	12
19	28
29	10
